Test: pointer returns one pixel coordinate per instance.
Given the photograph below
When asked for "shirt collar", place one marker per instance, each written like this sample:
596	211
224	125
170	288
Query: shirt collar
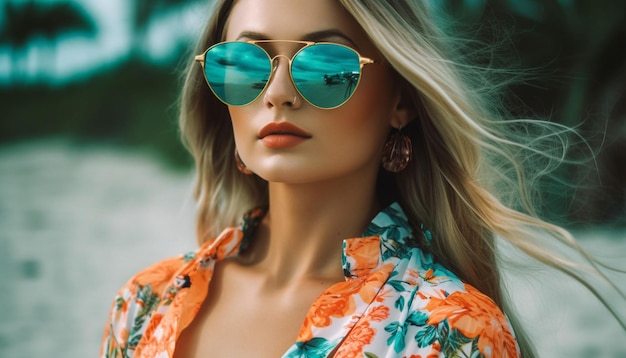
388	238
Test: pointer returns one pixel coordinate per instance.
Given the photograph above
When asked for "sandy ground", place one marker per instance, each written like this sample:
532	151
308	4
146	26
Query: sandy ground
76	222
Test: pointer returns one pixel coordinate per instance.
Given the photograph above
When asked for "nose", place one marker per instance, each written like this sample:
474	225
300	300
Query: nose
280	91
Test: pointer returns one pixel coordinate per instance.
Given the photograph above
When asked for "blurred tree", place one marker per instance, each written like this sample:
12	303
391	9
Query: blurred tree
59	19
145	11
18	31
578	47
27	21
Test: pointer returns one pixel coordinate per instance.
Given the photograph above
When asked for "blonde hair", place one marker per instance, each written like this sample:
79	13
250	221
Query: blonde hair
469	179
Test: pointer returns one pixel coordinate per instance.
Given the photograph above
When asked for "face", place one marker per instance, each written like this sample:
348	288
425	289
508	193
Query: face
283	138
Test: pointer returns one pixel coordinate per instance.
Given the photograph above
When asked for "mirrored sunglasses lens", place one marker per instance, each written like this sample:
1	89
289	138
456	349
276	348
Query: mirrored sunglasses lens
326	74
237	72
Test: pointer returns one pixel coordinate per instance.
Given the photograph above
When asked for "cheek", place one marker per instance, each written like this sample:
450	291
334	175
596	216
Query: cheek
243	128
369	111
358	132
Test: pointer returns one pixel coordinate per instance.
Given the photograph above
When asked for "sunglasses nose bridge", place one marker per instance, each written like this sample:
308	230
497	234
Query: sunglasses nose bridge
280	87
275	62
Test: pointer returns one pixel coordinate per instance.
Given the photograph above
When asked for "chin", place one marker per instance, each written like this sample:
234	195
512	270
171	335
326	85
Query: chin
283	176
285	170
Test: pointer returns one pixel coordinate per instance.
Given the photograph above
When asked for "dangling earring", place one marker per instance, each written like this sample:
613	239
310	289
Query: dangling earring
397	152
242	167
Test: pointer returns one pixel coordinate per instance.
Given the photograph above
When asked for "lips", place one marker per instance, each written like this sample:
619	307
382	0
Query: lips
284	128
277	135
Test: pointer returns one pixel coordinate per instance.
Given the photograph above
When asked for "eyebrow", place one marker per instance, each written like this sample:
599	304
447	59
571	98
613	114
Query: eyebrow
317	36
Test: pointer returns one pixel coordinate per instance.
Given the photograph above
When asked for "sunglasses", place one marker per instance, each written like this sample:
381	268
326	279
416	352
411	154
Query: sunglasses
325	74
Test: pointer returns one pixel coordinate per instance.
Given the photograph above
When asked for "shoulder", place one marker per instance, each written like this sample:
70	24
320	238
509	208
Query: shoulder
156	276
170	271
441	314
466	318
135	303
150	285
141	303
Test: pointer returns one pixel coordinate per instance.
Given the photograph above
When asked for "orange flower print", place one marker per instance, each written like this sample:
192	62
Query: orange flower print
371	286
150	343
384	295
364	254
475	315
158	341
159	275
222	246
360	336
336	302
123	336
328	307
121	312
391	298
305	334
434	353
229	244
378	314
412	276
339	301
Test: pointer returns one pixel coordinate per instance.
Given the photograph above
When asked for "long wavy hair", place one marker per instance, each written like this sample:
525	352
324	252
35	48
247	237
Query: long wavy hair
472	178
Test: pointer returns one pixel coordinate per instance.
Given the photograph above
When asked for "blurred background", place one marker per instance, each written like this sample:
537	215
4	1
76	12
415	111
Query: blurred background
94	183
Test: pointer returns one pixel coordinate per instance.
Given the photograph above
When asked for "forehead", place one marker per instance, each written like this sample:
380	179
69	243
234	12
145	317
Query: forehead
292	20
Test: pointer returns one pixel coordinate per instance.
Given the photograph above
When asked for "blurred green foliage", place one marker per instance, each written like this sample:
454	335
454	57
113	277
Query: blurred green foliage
578	47
49	20
132	105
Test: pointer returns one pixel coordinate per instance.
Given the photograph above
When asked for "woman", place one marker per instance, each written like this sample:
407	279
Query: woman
366	170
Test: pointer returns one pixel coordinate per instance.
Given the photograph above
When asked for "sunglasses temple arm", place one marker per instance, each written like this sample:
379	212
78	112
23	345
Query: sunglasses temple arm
362	61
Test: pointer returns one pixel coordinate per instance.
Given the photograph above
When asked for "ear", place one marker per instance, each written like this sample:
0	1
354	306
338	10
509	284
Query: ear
402	113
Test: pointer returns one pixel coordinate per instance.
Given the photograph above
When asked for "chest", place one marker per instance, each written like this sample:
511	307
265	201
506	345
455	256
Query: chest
242	318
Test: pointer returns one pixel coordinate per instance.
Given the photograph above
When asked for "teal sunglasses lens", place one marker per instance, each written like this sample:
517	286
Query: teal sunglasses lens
326	75
237	72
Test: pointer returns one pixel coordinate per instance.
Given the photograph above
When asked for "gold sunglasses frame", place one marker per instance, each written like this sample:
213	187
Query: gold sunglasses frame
362	62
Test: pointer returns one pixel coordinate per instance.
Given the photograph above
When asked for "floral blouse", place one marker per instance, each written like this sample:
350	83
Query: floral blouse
396	301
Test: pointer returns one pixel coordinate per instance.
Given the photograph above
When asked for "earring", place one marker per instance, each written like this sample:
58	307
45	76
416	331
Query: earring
397	152
240	165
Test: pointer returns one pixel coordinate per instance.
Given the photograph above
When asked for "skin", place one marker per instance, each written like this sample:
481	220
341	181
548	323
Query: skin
321	190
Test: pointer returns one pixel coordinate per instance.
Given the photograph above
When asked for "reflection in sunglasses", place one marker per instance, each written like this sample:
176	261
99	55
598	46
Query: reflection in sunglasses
325	74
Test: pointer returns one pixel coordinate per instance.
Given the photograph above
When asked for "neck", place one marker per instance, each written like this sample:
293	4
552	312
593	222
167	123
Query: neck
303	232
